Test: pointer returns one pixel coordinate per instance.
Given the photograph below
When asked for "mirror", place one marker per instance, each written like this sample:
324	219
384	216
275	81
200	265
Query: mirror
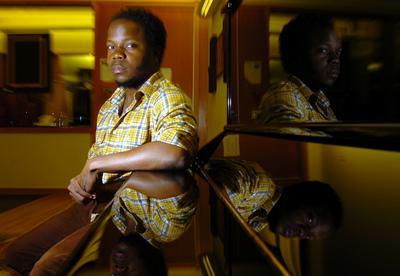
366	88
308	206
59	94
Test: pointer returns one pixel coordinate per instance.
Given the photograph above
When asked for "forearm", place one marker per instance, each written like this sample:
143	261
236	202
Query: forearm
157	184
150	156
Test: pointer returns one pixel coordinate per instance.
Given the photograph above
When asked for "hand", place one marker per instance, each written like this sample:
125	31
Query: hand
81	186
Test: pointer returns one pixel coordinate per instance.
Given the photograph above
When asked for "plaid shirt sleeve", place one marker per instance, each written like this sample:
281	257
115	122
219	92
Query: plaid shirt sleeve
282	106
173	120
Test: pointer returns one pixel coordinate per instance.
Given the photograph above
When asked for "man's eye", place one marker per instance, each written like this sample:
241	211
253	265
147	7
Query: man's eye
131	46
110	47
322	50
310	219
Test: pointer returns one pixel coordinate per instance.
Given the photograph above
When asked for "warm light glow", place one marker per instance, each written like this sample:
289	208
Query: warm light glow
72	41
206	7
41	18
3	42
71	28
374	66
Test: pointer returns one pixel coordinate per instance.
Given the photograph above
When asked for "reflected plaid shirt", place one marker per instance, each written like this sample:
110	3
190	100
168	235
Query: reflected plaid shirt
160	112
293	101
157	220
248	186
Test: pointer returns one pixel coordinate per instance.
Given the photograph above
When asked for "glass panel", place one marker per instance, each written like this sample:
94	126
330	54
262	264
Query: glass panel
311	205
67	100
364	88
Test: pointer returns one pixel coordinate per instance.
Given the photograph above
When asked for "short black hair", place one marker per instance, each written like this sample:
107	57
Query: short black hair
318	195
295	38
154	30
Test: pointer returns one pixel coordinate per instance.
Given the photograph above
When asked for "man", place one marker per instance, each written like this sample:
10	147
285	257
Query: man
147	124
310	54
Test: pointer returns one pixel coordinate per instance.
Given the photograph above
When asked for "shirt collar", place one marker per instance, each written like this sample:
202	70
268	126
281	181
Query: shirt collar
318	100
303	88
148	87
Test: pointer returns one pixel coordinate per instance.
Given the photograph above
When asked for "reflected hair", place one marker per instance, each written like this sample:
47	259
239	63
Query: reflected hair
295	38
318	195
154	30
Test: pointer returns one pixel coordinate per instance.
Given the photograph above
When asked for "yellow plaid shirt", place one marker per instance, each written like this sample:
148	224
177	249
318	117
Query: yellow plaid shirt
160	112
293	101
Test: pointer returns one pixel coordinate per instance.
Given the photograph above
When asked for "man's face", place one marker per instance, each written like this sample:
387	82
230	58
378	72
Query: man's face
325	57
305	223
124	260
127	53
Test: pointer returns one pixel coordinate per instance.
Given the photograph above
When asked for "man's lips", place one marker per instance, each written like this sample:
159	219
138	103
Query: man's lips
119	257
118	68
333	73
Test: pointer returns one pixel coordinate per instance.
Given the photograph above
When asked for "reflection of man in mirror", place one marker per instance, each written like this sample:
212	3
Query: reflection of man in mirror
132	255
310	54
149	210
308	210
305	210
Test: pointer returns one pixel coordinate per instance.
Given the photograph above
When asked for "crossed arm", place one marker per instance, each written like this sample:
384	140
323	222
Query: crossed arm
150	156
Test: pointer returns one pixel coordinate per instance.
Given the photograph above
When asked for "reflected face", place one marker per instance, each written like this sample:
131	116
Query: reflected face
127	53
124	261
305	224
325	57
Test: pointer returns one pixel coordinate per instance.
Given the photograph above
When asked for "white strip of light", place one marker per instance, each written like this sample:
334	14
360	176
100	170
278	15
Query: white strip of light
206	7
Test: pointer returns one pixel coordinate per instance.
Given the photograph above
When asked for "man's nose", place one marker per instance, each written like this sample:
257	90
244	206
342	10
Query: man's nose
334	56
119	53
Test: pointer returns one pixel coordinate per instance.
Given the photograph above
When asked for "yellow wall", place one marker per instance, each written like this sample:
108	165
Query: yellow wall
364	174
41	160
344	164
367	182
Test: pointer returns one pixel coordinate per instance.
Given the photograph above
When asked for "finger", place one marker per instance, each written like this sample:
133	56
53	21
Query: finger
76	197
79	199
77	189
